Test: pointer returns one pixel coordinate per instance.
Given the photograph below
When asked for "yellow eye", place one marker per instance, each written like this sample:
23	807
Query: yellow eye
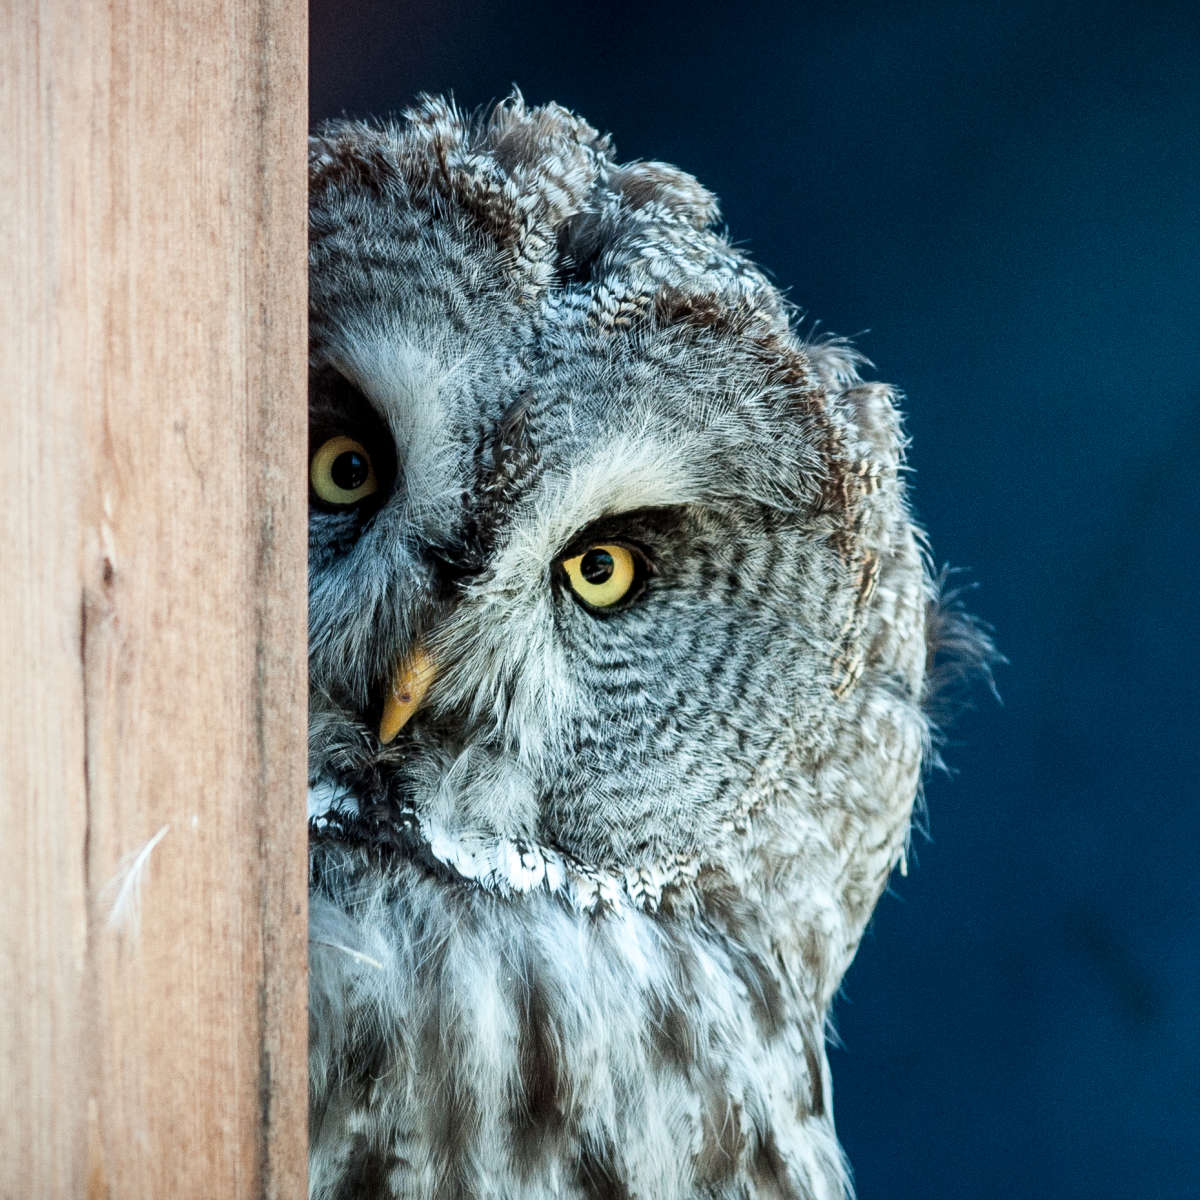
341	472
602	575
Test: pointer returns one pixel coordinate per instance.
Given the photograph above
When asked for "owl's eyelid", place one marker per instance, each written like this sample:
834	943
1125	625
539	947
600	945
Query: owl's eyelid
321	431
617	528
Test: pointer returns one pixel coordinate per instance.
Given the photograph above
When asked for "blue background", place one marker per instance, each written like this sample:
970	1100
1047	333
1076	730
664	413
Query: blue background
1003	203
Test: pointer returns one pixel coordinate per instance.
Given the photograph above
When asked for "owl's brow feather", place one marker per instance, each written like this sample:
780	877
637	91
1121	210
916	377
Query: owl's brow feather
505	463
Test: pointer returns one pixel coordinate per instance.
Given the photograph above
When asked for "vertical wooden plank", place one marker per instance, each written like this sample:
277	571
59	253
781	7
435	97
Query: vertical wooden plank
152	609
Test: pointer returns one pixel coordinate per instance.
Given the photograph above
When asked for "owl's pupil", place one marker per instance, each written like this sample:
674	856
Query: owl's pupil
349	470
597	566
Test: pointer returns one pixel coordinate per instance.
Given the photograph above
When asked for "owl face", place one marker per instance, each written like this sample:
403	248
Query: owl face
596	544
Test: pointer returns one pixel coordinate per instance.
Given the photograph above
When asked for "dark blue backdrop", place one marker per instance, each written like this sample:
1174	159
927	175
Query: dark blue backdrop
1007	201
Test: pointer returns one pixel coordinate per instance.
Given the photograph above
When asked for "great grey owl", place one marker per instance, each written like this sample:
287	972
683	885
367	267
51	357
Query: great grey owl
619	631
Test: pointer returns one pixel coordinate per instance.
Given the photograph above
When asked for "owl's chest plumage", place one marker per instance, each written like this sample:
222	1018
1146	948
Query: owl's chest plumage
471	1043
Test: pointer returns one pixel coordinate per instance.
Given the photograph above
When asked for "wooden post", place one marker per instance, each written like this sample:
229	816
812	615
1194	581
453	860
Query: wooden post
152	662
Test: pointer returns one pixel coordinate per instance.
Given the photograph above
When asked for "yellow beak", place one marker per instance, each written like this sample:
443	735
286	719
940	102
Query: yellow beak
410	682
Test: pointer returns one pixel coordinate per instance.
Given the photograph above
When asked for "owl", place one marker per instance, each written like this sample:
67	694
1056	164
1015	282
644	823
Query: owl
619	649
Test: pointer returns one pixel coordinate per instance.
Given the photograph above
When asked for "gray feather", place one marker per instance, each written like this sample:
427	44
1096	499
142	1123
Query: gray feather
576	931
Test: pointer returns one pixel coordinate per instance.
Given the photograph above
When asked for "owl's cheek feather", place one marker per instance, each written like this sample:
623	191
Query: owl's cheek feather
410	682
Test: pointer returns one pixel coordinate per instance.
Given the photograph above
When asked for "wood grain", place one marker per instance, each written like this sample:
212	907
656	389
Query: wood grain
152	669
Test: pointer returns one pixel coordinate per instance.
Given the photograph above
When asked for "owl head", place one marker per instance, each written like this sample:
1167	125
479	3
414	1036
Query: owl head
614	589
